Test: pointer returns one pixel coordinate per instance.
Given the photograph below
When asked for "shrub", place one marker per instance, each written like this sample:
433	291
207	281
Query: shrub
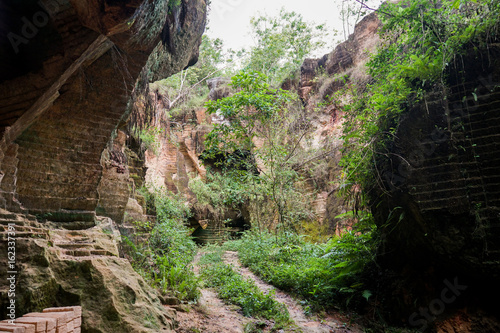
165	259
325	275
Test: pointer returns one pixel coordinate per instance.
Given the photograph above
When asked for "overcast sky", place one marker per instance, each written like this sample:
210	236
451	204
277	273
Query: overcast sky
230	19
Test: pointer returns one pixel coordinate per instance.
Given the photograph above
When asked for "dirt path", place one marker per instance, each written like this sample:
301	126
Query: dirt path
210	315
311	324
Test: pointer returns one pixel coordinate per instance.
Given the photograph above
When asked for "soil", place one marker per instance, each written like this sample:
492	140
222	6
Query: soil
212	315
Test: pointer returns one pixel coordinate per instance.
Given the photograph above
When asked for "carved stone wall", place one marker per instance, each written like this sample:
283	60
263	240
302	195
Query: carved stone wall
59	117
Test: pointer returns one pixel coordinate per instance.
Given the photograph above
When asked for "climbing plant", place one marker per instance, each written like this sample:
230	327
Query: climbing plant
421	39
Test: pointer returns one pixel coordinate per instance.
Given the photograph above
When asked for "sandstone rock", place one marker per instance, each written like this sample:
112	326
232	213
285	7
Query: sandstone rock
81	84
83	268
218	88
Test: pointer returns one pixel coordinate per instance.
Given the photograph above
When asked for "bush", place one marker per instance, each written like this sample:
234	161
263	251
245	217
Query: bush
324	275
165	260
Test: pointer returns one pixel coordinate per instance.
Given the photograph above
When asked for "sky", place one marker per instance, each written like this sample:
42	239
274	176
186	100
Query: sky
230	19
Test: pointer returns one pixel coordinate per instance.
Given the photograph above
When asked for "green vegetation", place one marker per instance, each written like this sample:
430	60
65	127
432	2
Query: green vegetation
258	158
149	137
259	113
439	32
323	275
165	258
233	288
187	90
282	44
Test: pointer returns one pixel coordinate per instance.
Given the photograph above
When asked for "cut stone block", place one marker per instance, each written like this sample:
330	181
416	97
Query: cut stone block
62	329
77	322
28	328
39	323
11	328
76	309
60	317
49	321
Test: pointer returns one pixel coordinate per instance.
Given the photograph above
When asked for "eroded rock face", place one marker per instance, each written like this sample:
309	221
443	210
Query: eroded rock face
68	71
346	62
444	178
59	267
319	79
177	154
59	118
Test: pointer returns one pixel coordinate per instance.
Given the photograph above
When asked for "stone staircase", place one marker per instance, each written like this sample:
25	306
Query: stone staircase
25	225
80	244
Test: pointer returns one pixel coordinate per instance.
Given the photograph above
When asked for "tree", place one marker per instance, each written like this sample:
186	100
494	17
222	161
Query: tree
282	44
189	84
265	122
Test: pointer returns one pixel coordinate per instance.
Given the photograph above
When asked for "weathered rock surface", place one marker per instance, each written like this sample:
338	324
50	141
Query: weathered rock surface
68	69
320	78
60	267
59	118
444	177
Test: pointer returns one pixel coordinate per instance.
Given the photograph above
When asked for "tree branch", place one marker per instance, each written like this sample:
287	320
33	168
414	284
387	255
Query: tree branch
364	5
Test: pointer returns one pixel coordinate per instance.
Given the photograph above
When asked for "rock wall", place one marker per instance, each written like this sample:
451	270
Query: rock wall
74	266
58	118
69	68
444	180
320	79
439	212
177	155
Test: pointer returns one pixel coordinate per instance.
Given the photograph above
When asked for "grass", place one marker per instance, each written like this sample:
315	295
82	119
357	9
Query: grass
235	289
323	275
164	260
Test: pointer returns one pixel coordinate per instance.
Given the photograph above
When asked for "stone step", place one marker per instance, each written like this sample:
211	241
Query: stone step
74	245
74	226
24	234
9	216
87	253
15	222
23	228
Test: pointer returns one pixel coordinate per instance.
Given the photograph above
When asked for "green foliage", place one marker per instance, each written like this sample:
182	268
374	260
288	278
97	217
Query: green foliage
149	137
233	288
324	275
255	103
220	190
170	206
259	113
187	90
165	259
438	33
283	42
